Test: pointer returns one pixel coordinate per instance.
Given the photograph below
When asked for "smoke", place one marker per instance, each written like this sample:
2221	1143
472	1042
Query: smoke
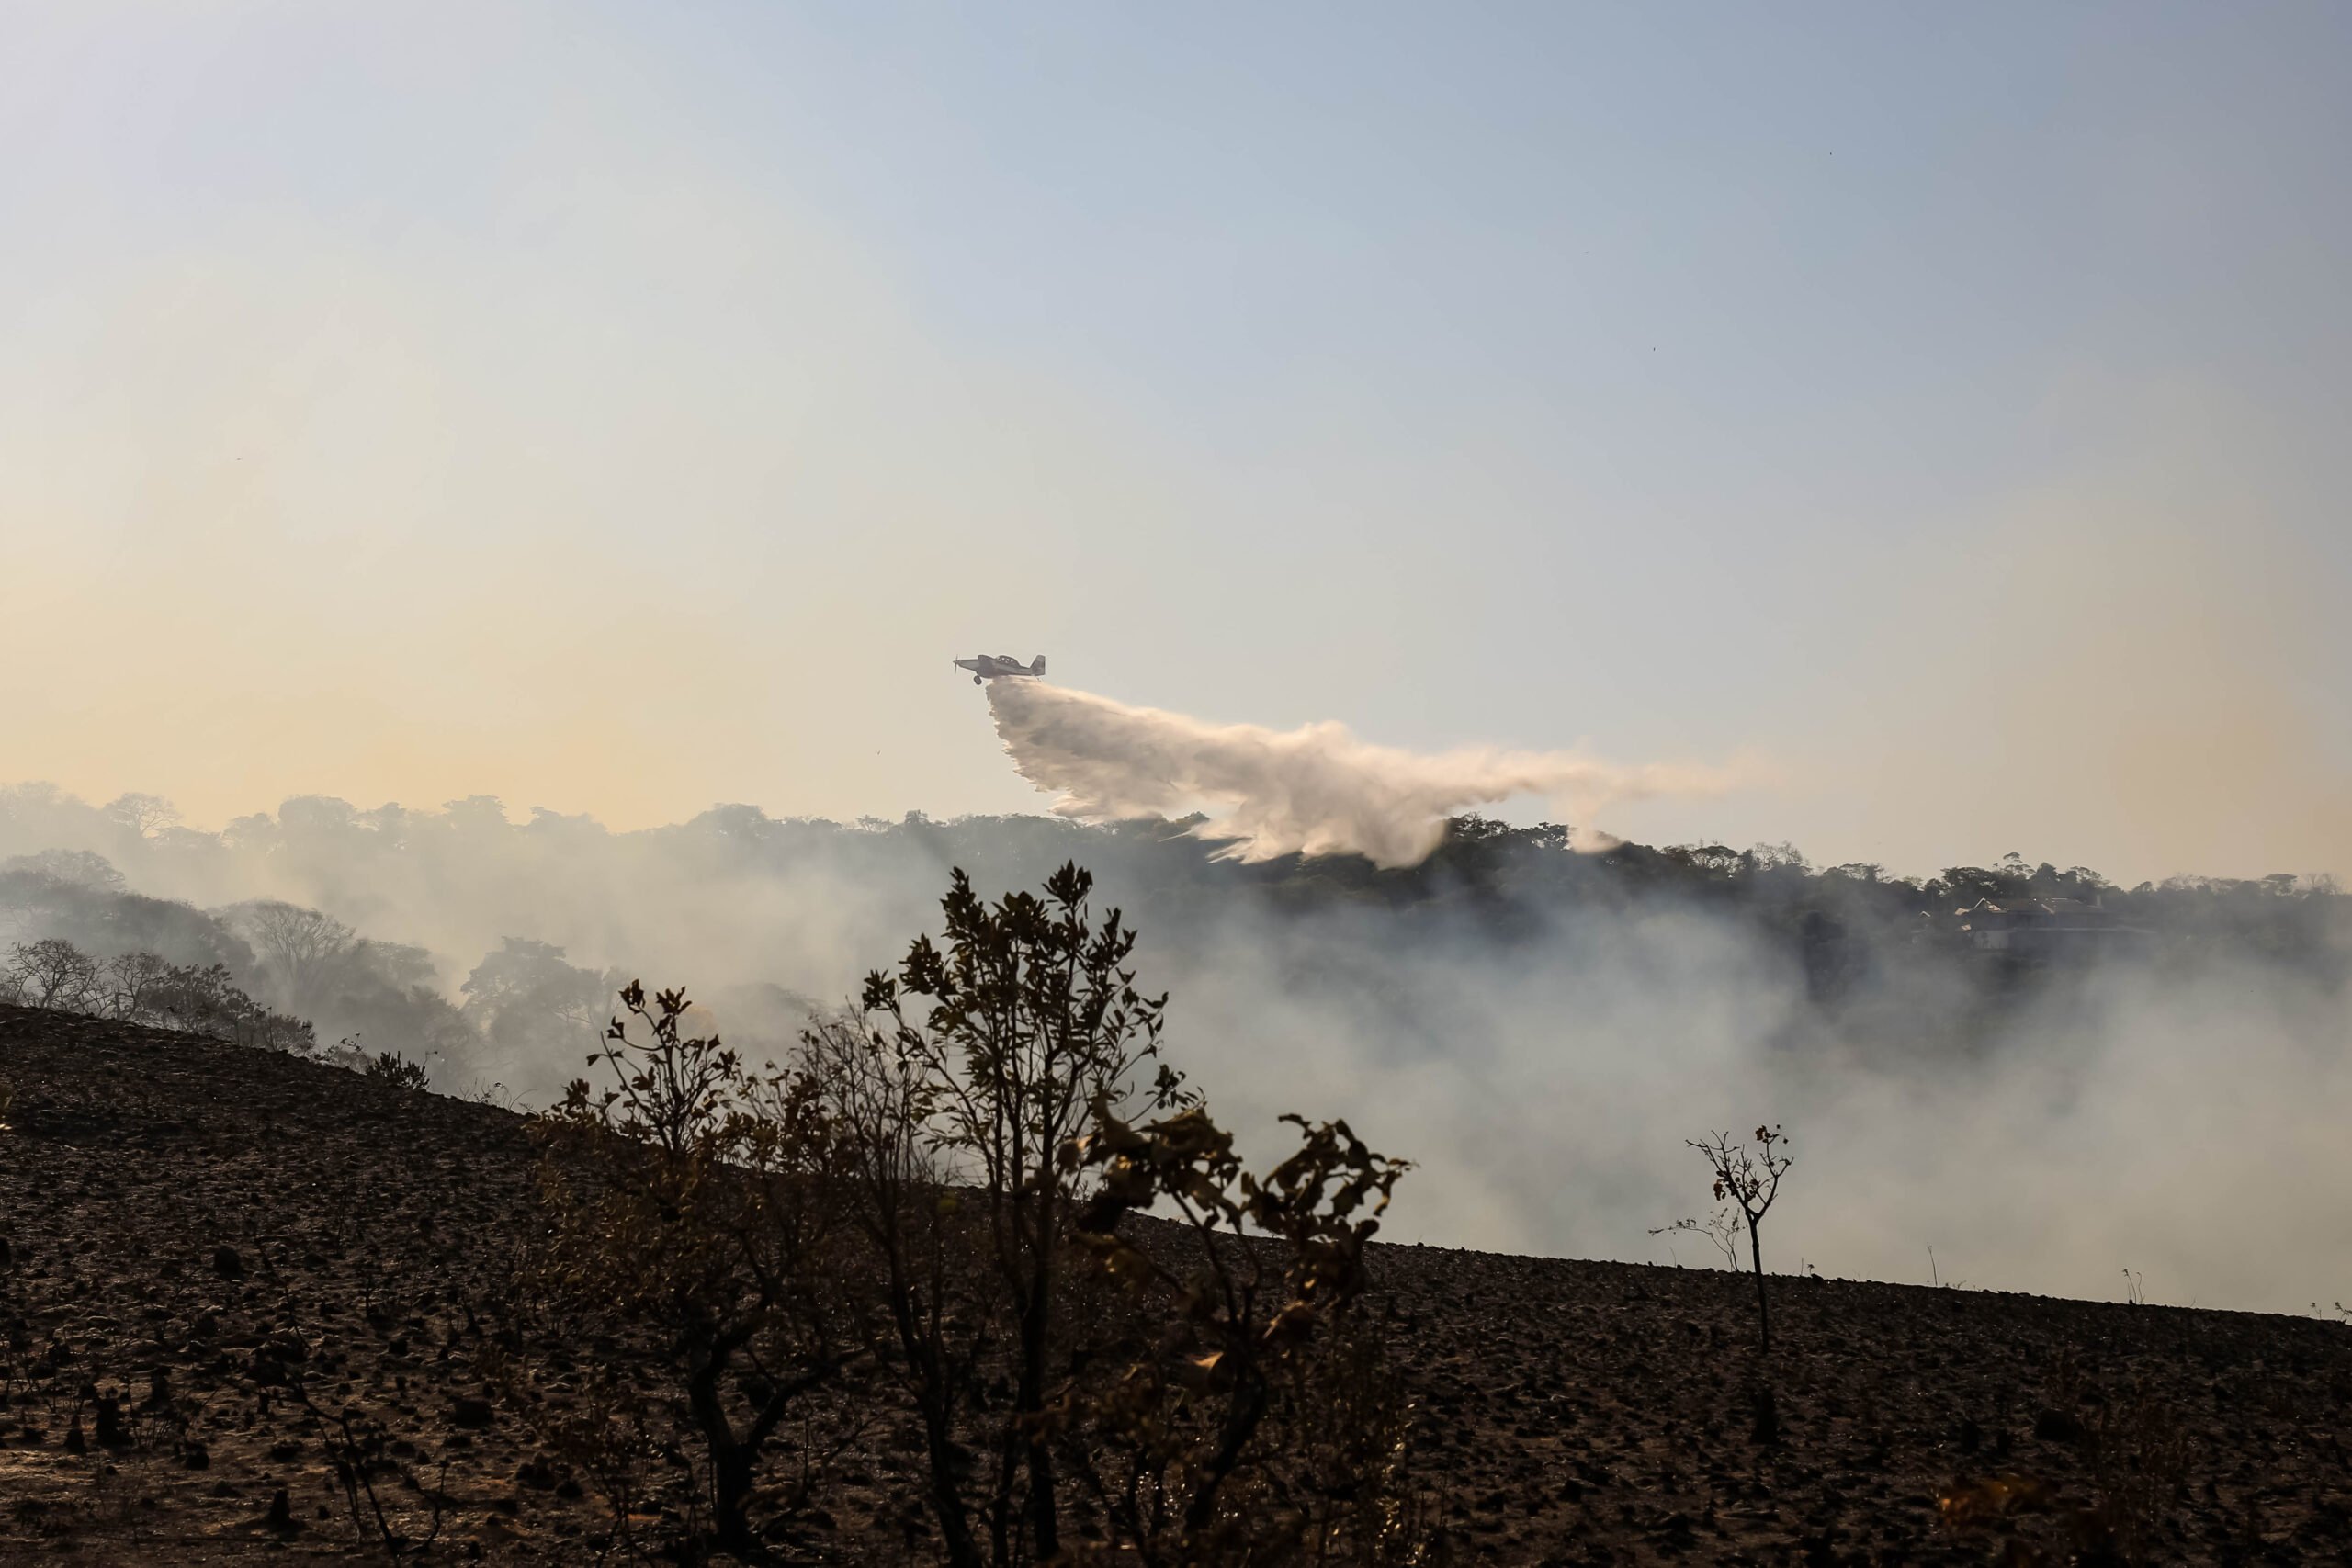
1316	790
2177	1120
1538	1042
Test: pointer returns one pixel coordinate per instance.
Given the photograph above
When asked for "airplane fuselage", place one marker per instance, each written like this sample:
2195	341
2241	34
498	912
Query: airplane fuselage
1001	666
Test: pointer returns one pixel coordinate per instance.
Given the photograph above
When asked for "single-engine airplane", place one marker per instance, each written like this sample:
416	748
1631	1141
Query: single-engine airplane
996	666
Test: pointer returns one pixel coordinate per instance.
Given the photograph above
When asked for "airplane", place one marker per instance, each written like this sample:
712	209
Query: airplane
996	666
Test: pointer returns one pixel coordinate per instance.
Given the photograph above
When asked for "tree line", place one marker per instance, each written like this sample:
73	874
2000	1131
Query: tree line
277	974
762	905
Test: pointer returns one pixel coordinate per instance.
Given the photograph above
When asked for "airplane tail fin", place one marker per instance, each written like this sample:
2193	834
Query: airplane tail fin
1037	666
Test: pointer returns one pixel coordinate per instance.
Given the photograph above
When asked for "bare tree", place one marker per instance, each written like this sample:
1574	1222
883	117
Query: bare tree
1748	1179
130	983
144	815
301	951
694	1194
53	973
1720	1228
880	1098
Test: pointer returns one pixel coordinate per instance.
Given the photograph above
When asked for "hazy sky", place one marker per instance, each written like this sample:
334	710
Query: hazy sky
625	408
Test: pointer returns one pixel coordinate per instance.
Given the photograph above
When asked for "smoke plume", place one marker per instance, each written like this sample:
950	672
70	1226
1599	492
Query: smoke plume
1316	790
1541	1049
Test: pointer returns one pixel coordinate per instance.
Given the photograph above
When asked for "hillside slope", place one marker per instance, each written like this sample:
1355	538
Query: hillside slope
193	1229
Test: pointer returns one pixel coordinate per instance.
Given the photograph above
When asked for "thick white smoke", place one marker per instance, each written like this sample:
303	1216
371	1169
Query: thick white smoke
1315	790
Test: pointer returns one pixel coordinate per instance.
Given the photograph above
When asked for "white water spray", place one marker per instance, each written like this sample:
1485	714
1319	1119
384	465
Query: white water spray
1315	790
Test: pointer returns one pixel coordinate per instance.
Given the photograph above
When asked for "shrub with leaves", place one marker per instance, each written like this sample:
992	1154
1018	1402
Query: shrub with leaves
391	1067
1256	1421
1031	1016
932	1191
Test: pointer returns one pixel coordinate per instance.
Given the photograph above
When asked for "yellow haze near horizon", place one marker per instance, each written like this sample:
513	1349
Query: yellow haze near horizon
617	513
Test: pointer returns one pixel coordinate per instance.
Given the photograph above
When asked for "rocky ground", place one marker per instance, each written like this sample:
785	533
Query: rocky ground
213	1255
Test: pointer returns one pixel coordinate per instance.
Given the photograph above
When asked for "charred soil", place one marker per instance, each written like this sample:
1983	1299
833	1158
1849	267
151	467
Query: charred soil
234	1280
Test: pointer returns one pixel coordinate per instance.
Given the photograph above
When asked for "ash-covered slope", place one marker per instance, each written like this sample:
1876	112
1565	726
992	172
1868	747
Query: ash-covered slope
195	1229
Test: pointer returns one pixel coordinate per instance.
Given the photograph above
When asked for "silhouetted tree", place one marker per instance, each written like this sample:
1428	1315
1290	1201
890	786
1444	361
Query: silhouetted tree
1748	1179
697	1196
920	1247
144	815
1032	1017
50	973
129	982
1255	1422
391	1067
301	951
526	999
74	868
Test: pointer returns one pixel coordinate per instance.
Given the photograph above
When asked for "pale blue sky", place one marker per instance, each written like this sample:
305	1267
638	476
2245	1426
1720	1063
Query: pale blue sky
1941	403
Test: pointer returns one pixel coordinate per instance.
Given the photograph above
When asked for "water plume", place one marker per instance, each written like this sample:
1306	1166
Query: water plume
1316	790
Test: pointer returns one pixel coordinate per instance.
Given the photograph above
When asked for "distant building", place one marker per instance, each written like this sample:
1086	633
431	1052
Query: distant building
2039	930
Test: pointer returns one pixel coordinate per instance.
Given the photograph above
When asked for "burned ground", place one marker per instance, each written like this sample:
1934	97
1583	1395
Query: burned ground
214	1252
